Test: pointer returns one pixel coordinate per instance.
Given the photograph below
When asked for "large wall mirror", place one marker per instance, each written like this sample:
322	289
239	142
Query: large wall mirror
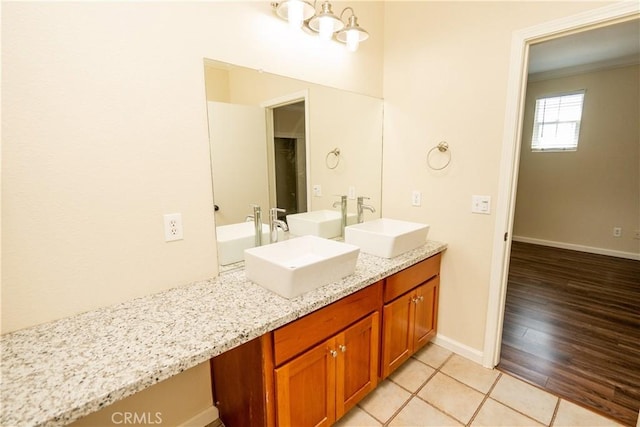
274	142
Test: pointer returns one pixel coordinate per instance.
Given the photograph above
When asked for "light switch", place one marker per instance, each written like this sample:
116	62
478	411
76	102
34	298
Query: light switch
416	198
352	193
481	204
317	190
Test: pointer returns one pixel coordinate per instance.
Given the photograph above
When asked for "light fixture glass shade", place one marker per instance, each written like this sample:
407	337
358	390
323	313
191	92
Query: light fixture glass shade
295	11
352	34
326	23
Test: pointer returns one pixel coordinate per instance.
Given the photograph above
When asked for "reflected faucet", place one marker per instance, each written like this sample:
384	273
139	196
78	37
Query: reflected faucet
275	223
343	213
362	207
257	223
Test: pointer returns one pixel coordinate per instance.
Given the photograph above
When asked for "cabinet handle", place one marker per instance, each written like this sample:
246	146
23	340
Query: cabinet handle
342	348
414	300
333	353
421	298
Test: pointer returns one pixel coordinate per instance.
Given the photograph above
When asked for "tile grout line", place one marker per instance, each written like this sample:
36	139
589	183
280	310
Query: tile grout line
415	394
517	410
486	397
555	412
554	394
484	400
436	371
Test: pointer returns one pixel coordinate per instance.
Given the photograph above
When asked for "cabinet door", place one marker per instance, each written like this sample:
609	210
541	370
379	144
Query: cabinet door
305	388
426	313
357	362
397	332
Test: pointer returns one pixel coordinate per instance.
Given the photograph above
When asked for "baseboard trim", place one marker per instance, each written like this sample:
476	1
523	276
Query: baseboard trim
581	248
203	419
459	348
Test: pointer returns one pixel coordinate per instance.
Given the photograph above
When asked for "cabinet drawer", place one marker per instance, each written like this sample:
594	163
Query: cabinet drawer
410	277
295	337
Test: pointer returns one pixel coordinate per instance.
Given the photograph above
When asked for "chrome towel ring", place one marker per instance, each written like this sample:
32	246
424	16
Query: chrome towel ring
442	147
332	160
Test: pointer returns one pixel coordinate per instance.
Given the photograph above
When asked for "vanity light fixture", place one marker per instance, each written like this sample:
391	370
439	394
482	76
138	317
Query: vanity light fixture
352	34
301	14
294	11
326	23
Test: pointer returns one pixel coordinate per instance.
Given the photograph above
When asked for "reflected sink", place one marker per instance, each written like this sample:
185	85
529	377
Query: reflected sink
298	265
387	238
233	239
322	223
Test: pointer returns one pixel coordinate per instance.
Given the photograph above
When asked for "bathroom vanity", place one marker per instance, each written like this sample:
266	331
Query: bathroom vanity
60	371
315	369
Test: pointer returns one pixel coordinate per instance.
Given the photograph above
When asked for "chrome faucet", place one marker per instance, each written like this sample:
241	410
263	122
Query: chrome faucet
362	207
343	213
257	224
275	223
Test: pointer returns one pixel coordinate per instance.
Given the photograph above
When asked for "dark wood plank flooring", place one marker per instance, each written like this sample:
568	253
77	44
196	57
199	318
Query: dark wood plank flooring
572	327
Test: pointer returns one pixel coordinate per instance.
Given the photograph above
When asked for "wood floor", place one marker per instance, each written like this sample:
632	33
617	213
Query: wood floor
572	327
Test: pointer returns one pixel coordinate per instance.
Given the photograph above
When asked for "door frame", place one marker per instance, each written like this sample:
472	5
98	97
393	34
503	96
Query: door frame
269	105
510	161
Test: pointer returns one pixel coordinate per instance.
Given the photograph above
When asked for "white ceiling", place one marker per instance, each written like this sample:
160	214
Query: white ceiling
617	44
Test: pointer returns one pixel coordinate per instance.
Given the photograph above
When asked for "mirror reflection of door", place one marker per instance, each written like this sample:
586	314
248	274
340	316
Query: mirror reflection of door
286	171
238	160
290	158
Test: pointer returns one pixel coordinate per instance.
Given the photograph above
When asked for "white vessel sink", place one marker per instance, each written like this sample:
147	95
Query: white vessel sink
387	238
322	223
298	265
233	239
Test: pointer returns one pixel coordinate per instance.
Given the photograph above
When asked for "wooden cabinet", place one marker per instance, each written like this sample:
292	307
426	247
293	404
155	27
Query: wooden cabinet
357	363
319	386
306	373
305	388
410	312
242	384
426	312
313	370
396	333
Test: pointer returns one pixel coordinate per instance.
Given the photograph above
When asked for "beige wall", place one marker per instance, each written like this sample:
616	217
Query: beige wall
105	130
445	78
171	402
578	197
337	118
216	83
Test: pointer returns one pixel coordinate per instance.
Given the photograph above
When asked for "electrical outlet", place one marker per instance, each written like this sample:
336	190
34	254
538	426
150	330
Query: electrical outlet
173	227
416	198
617	231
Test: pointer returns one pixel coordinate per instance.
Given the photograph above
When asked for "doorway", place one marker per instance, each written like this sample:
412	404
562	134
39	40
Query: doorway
288	153
505	209
571	302
288	186
523	40
289	129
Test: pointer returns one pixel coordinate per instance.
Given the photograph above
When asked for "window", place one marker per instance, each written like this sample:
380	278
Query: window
556	124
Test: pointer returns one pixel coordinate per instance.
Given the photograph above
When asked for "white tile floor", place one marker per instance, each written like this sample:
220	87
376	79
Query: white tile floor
439	388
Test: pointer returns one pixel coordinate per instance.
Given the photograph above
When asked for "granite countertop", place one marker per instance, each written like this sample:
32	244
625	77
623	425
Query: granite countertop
58	372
